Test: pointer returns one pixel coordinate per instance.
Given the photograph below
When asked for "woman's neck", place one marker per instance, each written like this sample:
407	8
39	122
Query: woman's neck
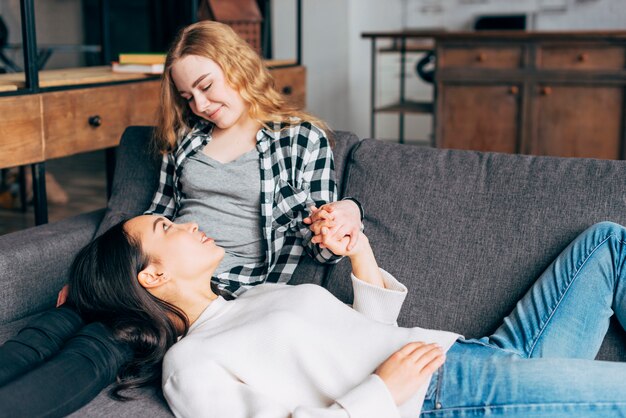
245	129
193	301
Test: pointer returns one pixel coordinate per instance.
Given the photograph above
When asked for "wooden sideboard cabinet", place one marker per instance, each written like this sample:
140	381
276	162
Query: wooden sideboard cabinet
87	109
559	94
53	124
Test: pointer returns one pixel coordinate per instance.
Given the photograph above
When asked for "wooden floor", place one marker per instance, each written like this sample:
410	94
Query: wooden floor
82	176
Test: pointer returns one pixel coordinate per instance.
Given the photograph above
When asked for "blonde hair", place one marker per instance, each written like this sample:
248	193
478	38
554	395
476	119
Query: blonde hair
244	71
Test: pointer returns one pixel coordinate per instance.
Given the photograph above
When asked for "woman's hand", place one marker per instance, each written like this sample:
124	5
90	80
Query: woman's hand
345	216
339	246
62	297
406	370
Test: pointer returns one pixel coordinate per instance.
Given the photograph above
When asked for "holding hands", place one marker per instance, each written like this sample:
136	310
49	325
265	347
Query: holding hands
336	225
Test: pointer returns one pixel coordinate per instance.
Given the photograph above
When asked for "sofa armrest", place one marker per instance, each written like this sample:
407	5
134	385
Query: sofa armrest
34	263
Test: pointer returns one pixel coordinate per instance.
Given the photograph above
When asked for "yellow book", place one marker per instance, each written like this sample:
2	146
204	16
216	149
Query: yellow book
141	58
137	68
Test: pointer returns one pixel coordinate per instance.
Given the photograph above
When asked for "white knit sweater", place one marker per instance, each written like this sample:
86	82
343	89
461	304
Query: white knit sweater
293	351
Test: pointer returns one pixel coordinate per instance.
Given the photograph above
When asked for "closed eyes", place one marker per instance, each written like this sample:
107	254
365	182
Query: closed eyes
204	89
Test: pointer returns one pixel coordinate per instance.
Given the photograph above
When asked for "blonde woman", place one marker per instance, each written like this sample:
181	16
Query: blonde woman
242	161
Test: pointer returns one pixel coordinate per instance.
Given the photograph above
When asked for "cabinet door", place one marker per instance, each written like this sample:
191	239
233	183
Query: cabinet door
478	117
578	121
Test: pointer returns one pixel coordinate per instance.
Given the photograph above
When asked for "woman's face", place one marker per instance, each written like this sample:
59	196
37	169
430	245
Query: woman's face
179	250
202	83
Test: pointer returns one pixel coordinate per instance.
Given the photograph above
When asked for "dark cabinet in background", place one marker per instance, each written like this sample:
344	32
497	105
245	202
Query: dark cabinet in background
532	93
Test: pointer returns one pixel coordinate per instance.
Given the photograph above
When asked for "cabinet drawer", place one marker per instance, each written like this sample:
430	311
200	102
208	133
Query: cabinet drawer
291	82
144	102
582	57
86	119
483	57
21	140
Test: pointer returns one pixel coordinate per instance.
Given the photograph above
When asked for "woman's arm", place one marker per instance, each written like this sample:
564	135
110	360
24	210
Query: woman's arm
364	265
207	389
377	294
317	174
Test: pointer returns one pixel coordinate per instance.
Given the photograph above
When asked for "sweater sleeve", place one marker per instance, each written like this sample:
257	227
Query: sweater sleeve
208	390
318	172
377	303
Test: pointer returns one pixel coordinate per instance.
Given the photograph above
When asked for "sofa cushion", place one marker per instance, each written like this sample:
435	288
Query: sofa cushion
147	402
35	262
469	232
136	177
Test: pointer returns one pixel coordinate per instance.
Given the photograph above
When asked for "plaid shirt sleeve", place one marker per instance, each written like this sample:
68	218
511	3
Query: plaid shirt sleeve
163	202
319	174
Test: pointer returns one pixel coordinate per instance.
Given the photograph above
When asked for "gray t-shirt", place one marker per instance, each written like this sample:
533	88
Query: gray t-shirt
224	199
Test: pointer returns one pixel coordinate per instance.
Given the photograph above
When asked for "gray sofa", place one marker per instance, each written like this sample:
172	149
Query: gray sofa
467	232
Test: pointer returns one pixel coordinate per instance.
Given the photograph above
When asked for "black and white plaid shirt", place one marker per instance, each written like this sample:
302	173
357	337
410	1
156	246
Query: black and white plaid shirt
297	170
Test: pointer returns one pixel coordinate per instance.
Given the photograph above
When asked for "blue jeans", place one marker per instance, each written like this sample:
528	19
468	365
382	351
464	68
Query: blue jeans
539	362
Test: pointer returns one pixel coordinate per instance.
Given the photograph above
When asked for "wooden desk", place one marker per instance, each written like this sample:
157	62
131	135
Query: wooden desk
76	118
86	119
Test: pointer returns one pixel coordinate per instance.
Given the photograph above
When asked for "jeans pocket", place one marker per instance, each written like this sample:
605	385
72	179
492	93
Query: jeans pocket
434	385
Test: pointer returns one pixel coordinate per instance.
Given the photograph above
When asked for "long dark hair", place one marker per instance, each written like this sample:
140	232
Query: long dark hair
104	287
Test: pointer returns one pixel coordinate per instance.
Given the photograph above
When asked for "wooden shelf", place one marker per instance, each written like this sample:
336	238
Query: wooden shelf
69	77
407	106
90	75
425	45
279	63
7	87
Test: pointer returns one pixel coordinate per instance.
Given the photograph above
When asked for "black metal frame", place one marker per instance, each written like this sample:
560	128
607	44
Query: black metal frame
402	89
374	110
29	40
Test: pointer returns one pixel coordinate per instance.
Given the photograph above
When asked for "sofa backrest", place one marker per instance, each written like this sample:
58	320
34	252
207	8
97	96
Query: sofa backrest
469	232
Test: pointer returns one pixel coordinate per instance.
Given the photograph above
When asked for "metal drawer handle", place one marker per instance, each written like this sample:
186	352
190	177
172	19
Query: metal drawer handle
95	121
481	57
513	90
583	57
287	90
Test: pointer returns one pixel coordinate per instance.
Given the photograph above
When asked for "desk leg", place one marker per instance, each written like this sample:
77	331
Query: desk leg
22	181
39	193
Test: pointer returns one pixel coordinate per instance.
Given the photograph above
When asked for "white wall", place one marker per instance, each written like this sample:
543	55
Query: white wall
544	14
586	14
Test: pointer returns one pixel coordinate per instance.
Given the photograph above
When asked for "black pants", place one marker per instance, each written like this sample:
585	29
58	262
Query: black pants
57	364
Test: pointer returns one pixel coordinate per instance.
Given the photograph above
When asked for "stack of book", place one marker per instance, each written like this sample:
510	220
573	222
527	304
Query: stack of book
146	63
